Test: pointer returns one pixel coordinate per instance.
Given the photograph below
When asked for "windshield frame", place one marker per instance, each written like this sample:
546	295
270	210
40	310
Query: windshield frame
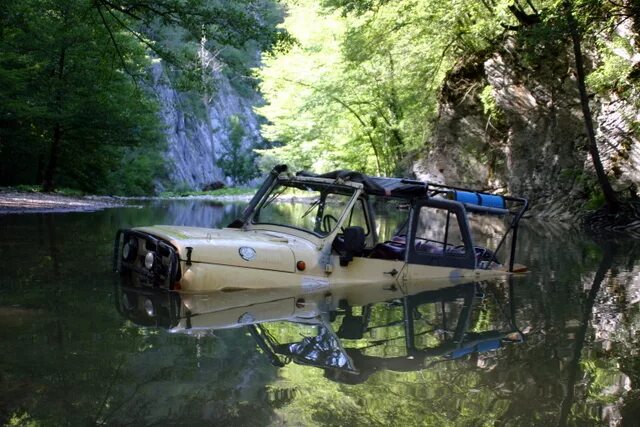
319	184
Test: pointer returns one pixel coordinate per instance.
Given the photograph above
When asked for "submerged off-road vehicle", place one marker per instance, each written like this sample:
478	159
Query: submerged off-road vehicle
314	232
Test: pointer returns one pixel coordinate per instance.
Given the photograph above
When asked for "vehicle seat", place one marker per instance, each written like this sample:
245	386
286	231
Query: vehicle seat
391	249
338	244
429	247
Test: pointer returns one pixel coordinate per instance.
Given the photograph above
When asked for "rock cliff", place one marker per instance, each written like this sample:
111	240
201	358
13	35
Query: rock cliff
512	123
198	127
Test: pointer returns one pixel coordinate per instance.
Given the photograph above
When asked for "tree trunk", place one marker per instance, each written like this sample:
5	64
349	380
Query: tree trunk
605	185
48	184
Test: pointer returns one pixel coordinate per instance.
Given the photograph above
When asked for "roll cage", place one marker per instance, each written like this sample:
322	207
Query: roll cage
456	202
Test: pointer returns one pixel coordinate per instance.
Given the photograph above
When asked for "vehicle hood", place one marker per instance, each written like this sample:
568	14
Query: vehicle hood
261	249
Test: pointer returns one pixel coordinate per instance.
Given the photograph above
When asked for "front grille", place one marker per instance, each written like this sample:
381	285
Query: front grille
133	251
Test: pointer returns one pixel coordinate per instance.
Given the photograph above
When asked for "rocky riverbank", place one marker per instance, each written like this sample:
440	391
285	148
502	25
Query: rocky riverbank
12	202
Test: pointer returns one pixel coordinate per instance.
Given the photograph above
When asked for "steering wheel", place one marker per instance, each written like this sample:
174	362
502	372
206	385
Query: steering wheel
326	222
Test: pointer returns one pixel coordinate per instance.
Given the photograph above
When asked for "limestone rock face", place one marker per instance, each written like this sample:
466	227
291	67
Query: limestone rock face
531	141
198	129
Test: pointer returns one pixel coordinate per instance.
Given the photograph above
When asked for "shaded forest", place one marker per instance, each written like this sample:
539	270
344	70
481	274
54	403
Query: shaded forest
76	105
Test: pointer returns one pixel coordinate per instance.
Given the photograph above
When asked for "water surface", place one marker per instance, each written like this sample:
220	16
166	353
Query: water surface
67	357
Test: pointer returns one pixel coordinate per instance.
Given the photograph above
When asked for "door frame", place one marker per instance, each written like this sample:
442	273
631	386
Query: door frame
466	260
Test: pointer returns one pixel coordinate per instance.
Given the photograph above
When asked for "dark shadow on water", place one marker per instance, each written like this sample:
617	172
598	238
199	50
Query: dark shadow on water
608	255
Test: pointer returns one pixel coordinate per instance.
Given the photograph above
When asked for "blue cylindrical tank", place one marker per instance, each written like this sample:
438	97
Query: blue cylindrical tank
479	199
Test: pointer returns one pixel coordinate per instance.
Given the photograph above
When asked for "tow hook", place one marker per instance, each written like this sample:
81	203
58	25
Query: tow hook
189	250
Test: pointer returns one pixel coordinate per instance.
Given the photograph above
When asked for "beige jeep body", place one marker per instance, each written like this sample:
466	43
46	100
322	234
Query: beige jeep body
320	249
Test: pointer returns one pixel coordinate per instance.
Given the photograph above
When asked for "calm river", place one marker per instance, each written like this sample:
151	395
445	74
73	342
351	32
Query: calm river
561	349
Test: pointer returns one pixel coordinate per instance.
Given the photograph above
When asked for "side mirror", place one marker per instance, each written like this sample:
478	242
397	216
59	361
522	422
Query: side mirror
353	244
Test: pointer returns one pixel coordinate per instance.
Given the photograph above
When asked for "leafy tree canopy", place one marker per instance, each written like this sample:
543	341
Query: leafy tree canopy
360	87
76	107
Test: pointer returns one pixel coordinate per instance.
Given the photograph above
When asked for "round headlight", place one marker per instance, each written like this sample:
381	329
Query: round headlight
148	307
148	260
130	249
126	302
126	250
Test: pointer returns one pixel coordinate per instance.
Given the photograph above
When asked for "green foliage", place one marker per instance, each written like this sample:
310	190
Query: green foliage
489	105
75	105
613	72
135	174
27	188
208	36
178	189
602	373
67	107
22	420
592	193
237	162
359	89
596	199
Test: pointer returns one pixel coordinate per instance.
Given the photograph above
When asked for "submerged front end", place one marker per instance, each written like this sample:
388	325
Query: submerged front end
145	260
200	259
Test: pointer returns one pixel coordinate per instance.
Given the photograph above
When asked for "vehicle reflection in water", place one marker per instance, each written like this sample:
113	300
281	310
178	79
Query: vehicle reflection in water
341	331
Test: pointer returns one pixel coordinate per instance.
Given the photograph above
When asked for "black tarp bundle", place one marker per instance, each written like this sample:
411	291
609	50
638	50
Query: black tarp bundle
378	186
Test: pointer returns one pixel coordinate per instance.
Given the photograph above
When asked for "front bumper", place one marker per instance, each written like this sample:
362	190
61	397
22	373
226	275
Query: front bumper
143	260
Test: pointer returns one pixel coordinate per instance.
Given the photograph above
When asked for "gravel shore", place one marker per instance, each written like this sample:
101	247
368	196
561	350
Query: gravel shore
12	202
